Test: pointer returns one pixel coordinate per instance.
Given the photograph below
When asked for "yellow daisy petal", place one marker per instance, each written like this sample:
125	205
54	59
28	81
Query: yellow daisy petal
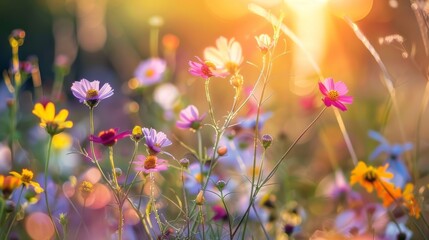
37	187
39	110
49	112
62	116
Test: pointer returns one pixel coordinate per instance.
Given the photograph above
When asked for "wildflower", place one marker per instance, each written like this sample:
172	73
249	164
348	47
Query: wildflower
266	140
53	124
184	162
16	38
226	56
109	137
26	178
150	72
150	164
137	134
334	94
264	43
8	184
85	189
219	213
410	201
190	118
397	231
199	200
394	151
90	93
222	150
62	141
155	140
205	69
371	178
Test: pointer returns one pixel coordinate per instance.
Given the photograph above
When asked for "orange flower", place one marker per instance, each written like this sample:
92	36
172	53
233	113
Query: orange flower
410	201
8	184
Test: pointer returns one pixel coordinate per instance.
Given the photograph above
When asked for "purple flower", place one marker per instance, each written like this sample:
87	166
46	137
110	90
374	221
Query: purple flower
155	140
150	164
190	119
151	71
109	137
90	92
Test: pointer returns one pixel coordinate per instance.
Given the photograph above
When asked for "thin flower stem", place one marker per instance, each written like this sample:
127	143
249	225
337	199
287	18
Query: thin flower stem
185	200
260	222
209	101
46	186
153	200
112	164
120	220
15	213
346	136
202	221
136	146
423	106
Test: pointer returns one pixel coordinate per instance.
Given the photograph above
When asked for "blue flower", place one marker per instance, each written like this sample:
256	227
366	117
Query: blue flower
394	152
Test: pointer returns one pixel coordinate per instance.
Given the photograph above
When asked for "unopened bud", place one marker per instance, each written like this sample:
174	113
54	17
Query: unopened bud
199	200
118	172
16	38
10	206
63	219
137	133
266	141
264	43
10	103
222	151
220	184
184	162
236	81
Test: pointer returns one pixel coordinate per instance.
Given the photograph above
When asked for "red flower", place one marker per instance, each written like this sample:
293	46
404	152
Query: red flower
109	137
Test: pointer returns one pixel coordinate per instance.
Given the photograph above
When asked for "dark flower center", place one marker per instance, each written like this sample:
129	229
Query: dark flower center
370	176
150	162
108	137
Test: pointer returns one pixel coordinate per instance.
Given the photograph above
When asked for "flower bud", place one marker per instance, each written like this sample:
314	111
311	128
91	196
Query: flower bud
63	219
264	43
16	38
137	133
184	162
10	103
10	206
266	141
236	81
199	200
118	172
222	151
221	185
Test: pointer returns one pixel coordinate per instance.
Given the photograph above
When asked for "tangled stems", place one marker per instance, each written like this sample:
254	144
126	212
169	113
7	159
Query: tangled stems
153	201
14	217
46	186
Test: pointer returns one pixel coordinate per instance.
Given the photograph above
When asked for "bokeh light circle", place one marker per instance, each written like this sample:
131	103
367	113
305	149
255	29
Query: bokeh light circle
39	226
354	9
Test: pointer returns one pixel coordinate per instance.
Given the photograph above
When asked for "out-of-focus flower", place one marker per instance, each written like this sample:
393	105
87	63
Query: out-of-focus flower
199	200
150	164
155	140
53	124
151	71
410	201
86	188
400	172
397	231
62	141
170	42
327	235
16	37
109	137
227	55
8	184
334	94
90	92
375	178
26	178
205	69
190	118
219	213
264	43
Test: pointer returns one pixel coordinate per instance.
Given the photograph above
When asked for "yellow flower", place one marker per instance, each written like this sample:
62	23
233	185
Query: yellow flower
86	188
53	124
61	141
26	178
410	201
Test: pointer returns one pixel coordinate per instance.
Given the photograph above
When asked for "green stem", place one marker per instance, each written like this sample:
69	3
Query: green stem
46	186
153	200
209	101
136	146
185	200
112	164
15	213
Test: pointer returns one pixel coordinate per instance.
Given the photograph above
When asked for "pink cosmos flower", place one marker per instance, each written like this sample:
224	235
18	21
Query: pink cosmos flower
90	92
190	118
227	55
334	94
205	69
151	71
150	164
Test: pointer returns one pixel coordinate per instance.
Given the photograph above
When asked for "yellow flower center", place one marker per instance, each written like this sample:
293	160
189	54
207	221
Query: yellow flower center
370	176
231	67
86	188
150	162
150	72
91	93
199	177
333	95
26	176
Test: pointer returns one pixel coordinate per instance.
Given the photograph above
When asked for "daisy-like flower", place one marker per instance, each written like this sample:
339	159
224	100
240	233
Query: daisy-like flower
205	69
155	140
334	94
190	118
8	184
264	43
150	164
26	178
109	137
227	55
53	124
86	188
90	92
372	178
151	71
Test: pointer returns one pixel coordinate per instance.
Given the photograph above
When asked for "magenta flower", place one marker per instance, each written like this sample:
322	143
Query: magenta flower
189	118
205	69
334	94
219	213
90	92
151	71
109	137
155	140
150	164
